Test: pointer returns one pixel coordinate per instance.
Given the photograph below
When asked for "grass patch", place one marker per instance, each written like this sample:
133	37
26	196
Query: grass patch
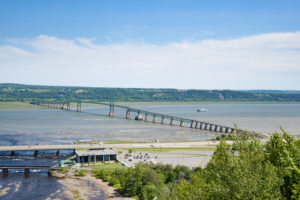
172	149
63	170
82	149
76	194
17	106
107	167
80	173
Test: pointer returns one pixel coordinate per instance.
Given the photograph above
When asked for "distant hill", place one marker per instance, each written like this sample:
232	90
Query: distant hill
19	92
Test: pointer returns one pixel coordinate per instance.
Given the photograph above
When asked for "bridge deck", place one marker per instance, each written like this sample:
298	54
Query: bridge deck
51	147
186	120
25	166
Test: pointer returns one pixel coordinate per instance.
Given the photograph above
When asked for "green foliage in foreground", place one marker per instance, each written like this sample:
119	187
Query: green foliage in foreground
248	172
245	170
145	181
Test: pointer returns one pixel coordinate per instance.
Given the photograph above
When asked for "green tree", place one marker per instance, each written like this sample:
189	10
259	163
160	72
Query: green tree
149	192
245	173
284	153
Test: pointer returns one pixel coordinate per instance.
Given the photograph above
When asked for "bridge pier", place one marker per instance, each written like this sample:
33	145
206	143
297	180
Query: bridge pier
78	107
221	129
146	118
35	153
57	153
12	153
196	125
216	128
68	107
163	121
139	116
205	126
111	114
26	171
172	122
192	124
154	119
211	127
181	124
226	130
200	125
5	171
128	114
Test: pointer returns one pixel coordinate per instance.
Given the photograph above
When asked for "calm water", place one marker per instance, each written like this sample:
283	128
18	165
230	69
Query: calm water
47	126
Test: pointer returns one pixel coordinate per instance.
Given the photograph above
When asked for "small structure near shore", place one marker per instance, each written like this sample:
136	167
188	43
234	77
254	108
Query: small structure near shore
87	157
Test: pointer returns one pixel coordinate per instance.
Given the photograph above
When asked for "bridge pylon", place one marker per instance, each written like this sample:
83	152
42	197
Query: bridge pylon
78	107
111	109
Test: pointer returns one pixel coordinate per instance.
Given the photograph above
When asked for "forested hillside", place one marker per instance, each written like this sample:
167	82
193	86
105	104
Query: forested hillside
18	92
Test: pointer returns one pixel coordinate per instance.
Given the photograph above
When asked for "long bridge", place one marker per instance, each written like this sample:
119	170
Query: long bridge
147	116
5	168
36	148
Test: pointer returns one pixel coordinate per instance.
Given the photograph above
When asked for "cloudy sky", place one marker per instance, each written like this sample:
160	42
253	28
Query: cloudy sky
152	44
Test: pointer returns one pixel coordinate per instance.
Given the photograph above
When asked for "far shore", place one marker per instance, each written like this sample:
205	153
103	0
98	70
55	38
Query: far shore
26	105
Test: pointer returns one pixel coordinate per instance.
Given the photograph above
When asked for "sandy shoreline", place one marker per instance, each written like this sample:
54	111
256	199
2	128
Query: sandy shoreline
84	190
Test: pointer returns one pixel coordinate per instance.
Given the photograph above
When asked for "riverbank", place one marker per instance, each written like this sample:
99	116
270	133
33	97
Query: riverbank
82	187
17	106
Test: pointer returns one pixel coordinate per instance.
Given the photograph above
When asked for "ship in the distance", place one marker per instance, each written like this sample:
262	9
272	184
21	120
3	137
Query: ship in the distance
202	109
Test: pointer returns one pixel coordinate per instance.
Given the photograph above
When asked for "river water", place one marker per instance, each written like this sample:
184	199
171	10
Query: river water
49	126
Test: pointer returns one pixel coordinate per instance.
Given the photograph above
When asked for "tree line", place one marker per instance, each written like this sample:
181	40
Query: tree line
18	92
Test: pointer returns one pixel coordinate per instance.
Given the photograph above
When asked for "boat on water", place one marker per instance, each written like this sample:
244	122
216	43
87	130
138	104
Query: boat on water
202	109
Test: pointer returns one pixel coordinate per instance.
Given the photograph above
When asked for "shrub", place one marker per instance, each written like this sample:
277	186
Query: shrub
80	173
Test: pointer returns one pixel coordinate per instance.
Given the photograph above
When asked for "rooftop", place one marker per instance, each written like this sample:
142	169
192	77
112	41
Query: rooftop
96	152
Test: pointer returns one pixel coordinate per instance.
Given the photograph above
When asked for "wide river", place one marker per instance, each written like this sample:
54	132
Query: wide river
49	126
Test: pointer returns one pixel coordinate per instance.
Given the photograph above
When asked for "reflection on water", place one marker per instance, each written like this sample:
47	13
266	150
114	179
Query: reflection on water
36	186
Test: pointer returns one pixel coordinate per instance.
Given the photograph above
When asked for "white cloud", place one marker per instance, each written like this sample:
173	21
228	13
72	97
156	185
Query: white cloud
260	61
11	52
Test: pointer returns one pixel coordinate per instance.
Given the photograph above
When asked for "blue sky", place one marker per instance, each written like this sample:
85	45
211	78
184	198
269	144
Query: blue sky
156	43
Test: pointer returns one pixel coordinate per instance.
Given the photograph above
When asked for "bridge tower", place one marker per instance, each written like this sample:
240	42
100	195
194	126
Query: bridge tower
111	109
172	122
78	107
68	106
128	114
